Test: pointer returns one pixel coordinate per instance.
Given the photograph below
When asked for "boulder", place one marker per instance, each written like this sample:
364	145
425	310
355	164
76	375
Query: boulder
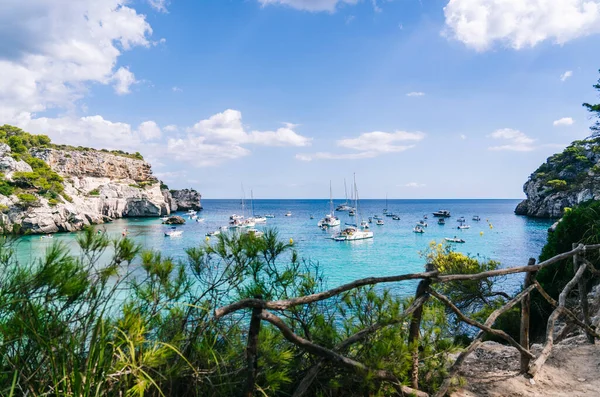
187	199
174	220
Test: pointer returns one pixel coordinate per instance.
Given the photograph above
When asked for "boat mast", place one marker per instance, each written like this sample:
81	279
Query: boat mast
252	201
330	199
345	192
356	201
243	202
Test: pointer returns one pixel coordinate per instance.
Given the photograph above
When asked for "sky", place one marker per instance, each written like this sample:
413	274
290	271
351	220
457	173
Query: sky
418	98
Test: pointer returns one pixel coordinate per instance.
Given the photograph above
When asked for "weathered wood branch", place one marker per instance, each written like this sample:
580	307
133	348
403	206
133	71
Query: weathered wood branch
455	368
565	310
252	352
525	318
313	371
415	328
334	357
562	298
583	295
483	327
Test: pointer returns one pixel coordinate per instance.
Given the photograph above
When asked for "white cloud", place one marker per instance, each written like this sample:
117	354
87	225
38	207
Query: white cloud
566	75
350	19
463	136
515	140
376	7
149	131
176	89
223	137
520	23
52	50
171	128
368	145
414	184
123	79
416	93
309	5
159	5
564	121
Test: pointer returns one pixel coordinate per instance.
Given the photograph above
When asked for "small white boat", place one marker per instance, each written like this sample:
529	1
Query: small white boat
269	216
255	232
352	234
173	233
215	233
476	218
441	221
364	225
199	219
454	240
442	214
164	218
379	222
396	217
288	213
259	219
45	236
461	219
418	229
351	213
194	217
329	221
423	223
192	212
464	227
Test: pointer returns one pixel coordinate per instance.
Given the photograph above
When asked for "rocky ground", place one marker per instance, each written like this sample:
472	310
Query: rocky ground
573	369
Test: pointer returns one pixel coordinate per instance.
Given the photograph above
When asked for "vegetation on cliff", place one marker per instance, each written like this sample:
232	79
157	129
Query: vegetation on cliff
118	320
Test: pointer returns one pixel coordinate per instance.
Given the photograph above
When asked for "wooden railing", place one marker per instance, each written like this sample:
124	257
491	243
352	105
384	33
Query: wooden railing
530	365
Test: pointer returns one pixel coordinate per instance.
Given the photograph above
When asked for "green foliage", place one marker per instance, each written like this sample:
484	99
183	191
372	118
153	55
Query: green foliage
163	186
27	200
94	192
594	109
6	188
557	184
116	320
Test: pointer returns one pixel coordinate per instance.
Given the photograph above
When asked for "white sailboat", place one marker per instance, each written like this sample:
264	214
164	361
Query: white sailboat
352	232
330	219
240	221
255	218
345	206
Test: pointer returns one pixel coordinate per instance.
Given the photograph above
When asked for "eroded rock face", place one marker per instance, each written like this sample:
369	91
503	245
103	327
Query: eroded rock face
187	199
101	186
565	180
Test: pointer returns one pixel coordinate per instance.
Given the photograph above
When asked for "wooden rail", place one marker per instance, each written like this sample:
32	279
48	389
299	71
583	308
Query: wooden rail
263	311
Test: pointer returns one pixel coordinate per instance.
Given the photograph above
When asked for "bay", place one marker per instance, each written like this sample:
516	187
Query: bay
395	249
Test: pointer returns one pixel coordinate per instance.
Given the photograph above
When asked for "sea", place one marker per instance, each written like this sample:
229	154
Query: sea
500	235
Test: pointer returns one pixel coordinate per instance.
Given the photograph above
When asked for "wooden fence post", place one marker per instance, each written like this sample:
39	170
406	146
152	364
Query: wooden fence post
525	317
415	326
583	293
252	350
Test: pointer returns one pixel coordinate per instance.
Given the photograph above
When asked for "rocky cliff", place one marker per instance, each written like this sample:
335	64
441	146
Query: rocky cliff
564	180
69	189
187	199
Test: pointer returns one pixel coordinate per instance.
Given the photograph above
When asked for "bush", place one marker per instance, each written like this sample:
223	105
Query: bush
6	188
557	184
27	200
52	202
94	192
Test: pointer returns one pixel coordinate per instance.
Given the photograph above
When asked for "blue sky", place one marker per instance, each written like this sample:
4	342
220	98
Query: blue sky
422	99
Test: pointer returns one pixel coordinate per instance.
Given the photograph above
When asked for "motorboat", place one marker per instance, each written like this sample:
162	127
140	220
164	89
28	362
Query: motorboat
352	233
213	233
389	214
425	216
47	236
461	219
476	218
164	218
376	216
352	212
454	240
441	221
396	217
255	232
419	229
364	225
269	216
379	222
173	233
288	213
464	227
312	217
199	219
330	219
370	220
191	212
422	223
259	219
241	223
442	214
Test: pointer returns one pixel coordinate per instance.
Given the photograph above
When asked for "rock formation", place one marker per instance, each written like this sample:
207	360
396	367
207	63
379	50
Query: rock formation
187	199
565	180
98	186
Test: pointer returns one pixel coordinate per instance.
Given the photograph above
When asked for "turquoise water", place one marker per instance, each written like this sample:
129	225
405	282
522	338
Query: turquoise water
394	249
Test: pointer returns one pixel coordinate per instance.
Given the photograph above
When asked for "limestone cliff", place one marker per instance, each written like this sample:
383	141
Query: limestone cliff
564	180
98	186
187	199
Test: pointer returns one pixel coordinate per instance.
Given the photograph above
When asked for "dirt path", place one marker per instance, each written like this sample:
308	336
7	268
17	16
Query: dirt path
572	370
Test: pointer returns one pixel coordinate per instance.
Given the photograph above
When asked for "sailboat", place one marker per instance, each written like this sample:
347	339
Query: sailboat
330	219
256	218
385	210
353	232
345	206
239	221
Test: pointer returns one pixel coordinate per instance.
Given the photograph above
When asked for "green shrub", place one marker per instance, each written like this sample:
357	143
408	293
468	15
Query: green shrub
4	208
27	200
52	202
6	188
94	192
557	184
67	197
